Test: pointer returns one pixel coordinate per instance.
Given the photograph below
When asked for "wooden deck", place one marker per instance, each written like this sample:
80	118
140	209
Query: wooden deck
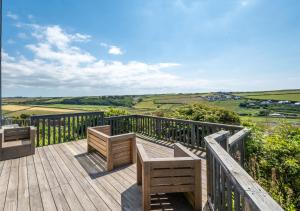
66	177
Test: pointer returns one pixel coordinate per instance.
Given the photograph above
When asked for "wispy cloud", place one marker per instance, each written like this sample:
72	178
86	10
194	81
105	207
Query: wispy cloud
12	15
115	50
112	49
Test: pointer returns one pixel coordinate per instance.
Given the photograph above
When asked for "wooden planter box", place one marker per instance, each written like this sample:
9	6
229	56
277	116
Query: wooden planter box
118	150
181	173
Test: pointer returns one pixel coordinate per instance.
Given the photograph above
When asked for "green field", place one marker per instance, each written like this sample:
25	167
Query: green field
291	95
151	104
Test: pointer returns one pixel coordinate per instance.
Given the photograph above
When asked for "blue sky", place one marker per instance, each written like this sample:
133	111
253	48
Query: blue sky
93	47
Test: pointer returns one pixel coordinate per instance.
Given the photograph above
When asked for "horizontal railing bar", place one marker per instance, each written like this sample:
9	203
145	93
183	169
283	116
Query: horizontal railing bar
240	135
64	115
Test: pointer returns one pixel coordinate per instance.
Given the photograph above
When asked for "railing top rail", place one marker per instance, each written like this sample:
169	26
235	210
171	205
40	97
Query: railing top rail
65	115
119	117
235	138
195	122
258	198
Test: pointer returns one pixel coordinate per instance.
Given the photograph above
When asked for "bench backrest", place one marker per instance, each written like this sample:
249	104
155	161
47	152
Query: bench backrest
97	140
11	134
176	175
106	129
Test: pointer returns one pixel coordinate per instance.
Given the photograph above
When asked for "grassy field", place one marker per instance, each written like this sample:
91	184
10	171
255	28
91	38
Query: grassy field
291	95
149	104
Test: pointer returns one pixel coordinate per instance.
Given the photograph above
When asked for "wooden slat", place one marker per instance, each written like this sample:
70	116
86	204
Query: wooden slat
98	148
34	191
11	202
58	196
172	172
47	199
172	181
74	184
4	178
23	191
98	187
172	189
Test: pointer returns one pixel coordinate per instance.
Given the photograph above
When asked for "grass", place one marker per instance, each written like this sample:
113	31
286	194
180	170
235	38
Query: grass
291	95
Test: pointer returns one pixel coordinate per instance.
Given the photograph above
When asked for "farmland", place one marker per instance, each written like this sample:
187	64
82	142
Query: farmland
159	104
291	95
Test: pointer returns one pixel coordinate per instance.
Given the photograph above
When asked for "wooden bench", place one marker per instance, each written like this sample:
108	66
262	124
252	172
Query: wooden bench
118	150
181	173
17	142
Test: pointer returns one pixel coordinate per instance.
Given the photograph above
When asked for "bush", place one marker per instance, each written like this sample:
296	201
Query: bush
273	159
24	116
115	112
201	112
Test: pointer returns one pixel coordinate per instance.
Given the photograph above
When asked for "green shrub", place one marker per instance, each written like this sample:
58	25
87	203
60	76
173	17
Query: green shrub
115	112
273	159
201	112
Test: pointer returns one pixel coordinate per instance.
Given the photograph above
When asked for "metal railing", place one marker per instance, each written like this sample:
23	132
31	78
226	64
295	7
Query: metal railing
187	132
52	129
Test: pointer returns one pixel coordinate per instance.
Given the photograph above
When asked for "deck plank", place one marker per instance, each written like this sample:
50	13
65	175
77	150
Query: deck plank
66	177
4	182
101	191
98	203
75	185
58	196
34	190
23	191
129	201
46	195
11	202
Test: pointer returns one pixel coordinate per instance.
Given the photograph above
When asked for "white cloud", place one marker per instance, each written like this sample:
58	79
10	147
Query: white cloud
57	63
114	50
60	67
12	15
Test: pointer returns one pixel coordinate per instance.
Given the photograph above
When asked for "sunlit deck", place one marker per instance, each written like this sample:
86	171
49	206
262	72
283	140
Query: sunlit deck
66	177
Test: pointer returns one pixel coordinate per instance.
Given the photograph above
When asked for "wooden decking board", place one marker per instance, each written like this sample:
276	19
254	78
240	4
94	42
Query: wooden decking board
64	188
77	188
46	195
23	191
131	199
66	177
11	201
128	201
110	202
93	196
4	182
58	196
33	186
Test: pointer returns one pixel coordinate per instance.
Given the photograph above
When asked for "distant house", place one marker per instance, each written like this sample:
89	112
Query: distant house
276	115
284	102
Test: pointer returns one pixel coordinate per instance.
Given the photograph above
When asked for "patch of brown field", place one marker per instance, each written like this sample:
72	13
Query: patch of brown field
33	108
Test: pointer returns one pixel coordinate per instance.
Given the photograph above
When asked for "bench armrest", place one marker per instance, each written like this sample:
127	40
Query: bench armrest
181	151
142	153
122	137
